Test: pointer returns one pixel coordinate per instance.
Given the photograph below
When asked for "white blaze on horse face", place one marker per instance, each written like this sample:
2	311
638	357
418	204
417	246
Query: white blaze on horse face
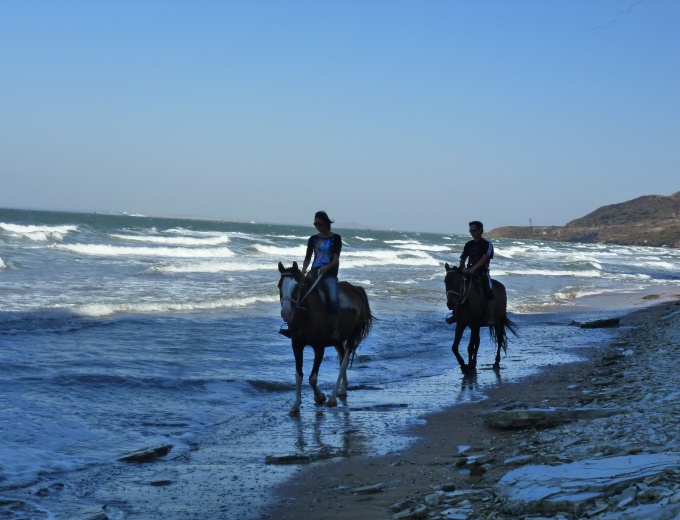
288	285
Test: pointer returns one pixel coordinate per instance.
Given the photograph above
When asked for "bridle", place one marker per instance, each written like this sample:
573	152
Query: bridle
298	302
464	291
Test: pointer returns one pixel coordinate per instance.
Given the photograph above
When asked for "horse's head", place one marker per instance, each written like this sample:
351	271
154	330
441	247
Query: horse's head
291	279
455	286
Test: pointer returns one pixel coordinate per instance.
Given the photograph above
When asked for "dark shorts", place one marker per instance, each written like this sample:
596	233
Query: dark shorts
485	279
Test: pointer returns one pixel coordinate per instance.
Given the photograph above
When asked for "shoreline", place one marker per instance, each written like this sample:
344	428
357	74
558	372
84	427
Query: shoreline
368	486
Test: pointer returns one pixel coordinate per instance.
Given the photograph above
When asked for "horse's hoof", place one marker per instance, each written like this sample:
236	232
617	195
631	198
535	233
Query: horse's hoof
332	402
294	411
496	367
320	399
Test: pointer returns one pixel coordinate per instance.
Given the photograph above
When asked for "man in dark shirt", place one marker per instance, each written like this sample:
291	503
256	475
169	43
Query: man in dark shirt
478	253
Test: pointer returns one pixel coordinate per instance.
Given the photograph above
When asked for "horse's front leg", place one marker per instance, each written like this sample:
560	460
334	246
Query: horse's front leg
473	348
342	376
319	396
456	342
297	352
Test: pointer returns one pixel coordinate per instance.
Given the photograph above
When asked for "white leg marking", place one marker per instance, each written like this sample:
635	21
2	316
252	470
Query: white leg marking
342	375
295	409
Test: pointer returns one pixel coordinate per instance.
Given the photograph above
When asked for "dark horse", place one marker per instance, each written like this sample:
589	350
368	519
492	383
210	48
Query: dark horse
309	324
466	299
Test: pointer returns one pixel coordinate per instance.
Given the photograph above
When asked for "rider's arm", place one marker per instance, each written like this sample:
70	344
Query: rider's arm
333	263
482	262
308	257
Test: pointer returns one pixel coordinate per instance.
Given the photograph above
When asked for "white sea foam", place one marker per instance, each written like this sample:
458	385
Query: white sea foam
178	252
297	251
38	233
366	239
176	241
546	272
213	267
422	247
289	237
659	264
106	309
378	257
2	263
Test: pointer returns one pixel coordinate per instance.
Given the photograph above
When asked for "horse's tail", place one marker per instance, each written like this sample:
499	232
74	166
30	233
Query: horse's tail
366	319
498	334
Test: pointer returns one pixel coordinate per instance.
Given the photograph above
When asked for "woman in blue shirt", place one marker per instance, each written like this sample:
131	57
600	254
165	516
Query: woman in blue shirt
326	247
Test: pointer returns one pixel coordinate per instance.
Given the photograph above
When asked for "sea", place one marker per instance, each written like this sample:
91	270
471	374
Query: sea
122	332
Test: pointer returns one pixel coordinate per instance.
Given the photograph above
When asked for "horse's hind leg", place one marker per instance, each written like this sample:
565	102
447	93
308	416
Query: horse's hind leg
500	334
342	376
342	390
473	348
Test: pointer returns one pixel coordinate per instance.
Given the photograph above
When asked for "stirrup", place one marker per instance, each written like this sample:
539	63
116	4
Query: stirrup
285	332
450	319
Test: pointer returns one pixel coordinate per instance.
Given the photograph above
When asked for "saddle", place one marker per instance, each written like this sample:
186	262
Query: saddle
345	302
478	282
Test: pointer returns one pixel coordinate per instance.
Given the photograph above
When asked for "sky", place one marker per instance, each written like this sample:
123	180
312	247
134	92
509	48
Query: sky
406	115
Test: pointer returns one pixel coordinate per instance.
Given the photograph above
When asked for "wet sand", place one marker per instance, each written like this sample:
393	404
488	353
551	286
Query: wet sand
331	490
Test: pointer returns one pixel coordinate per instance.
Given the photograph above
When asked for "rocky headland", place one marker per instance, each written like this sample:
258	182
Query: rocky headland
650	220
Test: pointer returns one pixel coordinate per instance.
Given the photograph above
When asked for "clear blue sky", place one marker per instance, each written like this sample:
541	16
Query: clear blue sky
411	115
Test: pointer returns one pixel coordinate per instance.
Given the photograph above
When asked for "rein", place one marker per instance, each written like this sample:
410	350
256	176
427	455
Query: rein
298	303
463	294
318	279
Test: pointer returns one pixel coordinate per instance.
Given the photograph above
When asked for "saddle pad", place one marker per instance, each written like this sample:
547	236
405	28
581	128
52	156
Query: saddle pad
345	302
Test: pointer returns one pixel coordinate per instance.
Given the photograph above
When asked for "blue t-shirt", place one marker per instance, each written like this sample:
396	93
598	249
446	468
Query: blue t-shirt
324	249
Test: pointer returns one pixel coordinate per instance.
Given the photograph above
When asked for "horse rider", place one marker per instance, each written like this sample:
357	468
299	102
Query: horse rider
326	247
478	253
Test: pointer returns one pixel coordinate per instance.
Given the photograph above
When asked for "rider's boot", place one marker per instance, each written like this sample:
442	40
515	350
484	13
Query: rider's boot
335	323
451	319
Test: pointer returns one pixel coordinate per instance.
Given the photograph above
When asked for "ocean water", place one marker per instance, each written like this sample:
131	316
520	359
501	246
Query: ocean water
120	332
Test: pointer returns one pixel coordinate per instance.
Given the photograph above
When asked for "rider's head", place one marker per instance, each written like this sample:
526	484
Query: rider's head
476	225
322	216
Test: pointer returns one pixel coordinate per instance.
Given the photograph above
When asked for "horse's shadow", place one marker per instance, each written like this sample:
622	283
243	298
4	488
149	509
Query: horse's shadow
312	436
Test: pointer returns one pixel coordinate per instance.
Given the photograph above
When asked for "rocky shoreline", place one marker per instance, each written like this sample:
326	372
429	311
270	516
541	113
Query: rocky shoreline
622	462
625	466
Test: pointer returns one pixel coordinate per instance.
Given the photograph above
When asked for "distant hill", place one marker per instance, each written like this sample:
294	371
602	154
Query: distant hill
651	220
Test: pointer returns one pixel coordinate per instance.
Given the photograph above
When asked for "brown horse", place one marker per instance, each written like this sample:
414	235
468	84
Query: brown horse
309	324
466	299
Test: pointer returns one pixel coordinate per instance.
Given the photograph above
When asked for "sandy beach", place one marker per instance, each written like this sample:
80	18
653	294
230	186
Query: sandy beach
368	486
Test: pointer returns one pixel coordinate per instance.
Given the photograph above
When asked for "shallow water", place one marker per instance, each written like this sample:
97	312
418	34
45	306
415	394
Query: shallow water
118	333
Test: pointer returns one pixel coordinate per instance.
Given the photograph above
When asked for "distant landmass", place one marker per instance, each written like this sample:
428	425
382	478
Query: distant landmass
651	220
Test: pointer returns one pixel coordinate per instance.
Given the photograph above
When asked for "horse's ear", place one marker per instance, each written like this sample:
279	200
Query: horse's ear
281	268
295	266
446	266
